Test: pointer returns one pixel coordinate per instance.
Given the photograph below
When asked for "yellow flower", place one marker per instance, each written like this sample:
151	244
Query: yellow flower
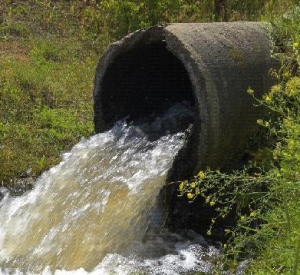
268	99
252	214
250	91
181	185
260	122
193	185
227	230
201	175
295	45
263	123
212	203
189	195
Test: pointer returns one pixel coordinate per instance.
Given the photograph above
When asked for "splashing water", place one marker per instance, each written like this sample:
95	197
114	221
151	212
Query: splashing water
90	213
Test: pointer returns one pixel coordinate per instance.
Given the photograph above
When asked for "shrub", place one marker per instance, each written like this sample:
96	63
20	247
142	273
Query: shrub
264	196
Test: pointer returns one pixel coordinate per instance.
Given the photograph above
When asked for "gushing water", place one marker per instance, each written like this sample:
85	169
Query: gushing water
91	212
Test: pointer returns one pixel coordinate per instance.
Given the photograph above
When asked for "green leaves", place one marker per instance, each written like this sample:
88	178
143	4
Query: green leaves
264	196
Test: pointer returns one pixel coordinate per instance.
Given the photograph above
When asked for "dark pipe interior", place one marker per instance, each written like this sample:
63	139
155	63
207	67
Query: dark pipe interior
148	80
143	81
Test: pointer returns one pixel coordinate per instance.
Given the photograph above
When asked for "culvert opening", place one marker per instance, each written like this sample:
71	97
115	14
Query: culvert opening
143	81
212	67
148	80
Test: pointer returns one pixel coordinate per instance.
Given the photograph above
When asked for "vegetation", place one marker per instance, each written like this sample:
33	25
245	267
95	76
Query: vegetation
49	50
263	196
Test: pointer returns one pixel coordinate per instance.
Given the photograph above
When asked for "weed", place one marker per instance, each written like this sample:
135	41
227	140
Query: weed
264	195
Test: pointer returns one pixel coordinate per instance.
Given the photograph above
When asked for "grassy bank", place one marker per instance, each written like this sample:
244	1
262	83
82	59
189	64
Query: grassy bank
264	196
45	102
46	83
49	50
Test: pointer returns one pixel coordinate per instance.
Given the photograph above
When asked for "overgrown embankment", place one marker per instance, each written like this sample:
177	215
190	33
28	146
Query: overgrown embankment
263	197
49	50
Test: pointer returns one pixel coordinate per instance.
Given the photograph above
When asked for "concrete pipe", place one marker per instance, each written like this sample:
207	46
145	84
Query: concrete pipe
210	64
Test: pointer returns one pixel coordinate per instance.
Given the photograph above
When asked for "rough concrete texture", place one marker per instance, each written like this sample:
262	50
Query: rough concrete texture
221	61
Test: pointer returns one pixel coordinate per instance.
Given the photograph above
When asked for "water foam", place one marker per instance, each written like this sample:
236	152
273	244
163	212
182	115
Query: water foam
90	213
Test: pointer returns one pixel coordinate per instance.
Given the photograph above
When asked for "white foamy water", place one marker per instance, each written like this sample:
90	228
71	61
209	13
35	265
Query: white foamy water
90	213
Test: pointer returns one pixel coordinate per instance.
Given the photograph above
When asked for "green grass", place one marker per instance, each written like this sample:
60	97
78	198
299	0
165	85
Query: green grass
46	103
49	50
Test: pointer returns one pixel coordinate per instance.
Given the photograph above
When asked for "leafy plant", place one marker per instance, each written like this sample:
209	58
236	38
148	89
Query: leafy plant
263	197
